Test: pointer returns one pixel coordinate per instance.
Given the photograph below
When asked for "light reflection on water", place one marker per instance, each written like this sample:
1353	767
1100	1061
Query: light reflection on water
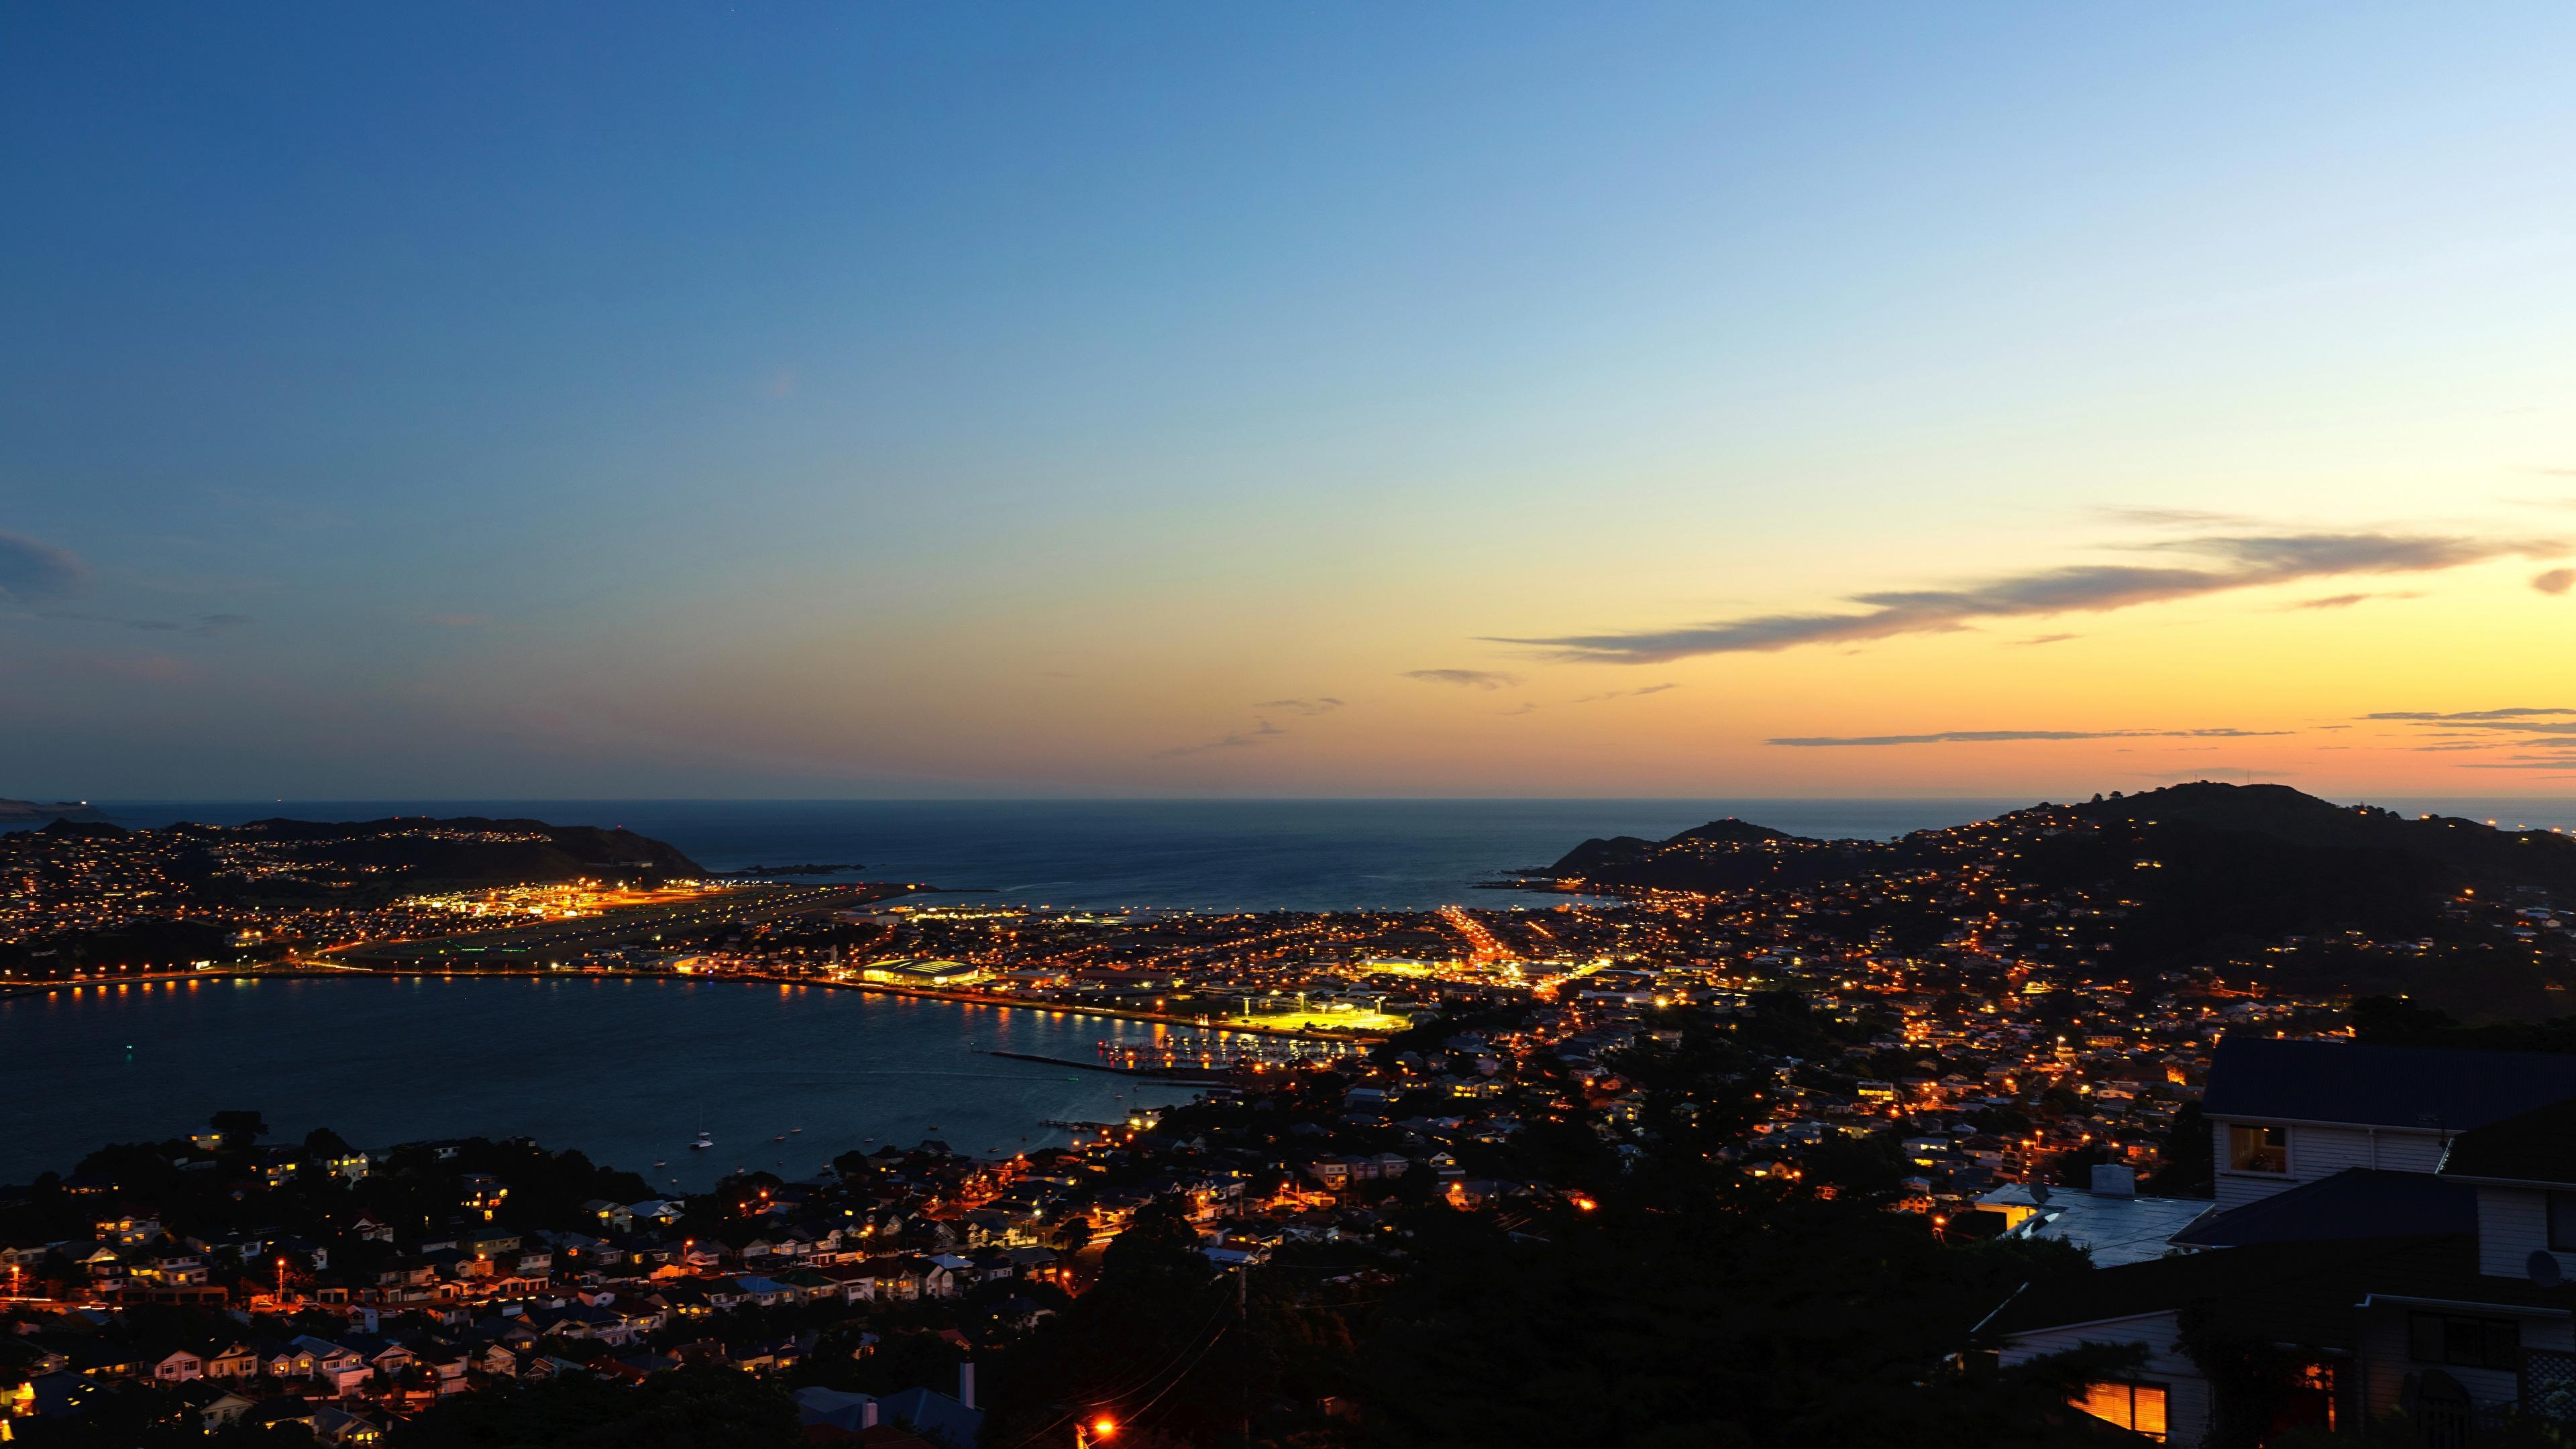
627	1070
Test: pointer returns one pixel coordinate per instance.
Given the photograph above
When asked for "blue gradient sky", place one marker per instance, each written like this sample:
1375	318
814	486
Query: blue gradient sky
673	400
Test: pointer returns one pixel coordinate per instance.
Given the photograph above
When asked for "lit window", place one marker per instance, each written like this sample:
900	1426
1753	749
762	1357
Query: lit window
2258	1149
2137	1407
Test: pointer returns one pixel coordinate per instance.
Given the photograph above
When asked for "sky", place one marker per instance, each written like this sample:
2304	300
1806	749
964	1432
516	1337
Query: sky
682	400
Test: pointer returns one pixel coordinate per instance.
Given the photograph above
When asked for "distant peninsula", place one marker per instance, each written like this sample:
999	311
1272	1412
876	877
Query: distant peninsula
758	871
364	860
28	814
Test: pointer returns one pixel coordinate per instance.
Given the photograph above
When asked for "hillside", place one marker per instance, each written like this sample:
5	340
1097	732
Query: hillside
359	861
471	850
2196	874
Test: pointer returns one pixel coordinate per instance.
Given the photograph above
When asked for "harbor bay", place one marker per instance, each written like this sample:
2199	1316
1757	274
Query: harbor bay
628	1071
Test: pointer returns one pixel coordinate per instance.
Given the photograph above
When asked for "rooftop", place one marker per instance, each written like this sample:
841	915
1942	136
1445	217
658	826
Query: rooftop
2421	1088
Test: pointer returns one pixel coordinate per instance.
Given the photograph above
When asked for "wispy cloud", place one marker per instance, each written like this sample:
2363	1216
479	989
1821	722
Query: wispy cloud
1524	707
1324	704
141	668
2545	733
2508	726
1984	737
2555	581
2346	601
2519	711
33	569
1464	678
203	626
2045	639
2223	563
2171	517
1625	693
1261	733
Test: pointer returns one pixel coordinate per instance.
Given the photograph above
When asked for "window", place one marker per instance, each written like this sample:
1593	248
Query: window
2138	1407
2562	1222
2443	1338
2258	1149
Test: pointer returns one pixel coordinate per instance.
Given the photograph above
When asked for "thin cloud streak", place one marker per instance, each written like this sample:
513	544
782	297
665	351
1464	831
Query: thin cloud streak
1982	737
33	569
2510	712
1464	678
1261	733
1323	704
2241	562
1624	693
2171	517
204	626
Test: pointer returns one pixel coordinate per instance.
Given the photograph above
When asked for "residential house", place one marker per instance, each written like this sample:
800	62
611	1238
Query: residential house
221	1410
338	1426
2460	1326
2285	1112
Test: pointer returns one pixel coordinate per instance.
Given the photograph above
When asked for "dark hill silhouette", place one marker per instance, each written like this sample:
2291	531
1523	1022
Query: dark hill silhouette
2189	871
2471	852
445	851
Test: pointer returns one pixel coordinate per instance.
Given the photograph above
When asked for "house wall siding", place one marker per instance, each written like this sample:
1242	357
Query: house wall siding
2187	1404
2511	1223
2385	1365
2317	1152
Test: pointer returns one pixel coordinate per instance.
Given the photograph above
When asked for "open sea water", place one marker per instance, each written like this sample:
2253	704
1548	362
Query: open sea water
1295	855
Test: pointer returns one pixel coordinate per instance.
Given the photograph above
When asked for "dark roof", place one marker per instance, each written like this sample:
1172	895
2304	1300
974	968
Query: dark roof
2536	1146
2301	1293
2381	1086
2357	1202
2284	1278
931	1410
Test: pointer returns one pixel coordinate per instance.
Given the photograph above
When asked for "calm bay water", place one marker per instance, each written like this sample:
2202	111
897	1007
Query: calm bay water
629	1071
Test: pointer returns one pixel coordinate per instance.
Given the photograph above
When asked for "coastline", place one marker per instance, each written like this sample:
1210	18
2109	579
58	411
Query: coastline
959	998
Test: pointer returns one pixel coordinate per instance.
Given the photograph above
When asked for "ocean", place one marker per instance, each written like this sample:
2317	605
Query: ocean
1293	855
1231	855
